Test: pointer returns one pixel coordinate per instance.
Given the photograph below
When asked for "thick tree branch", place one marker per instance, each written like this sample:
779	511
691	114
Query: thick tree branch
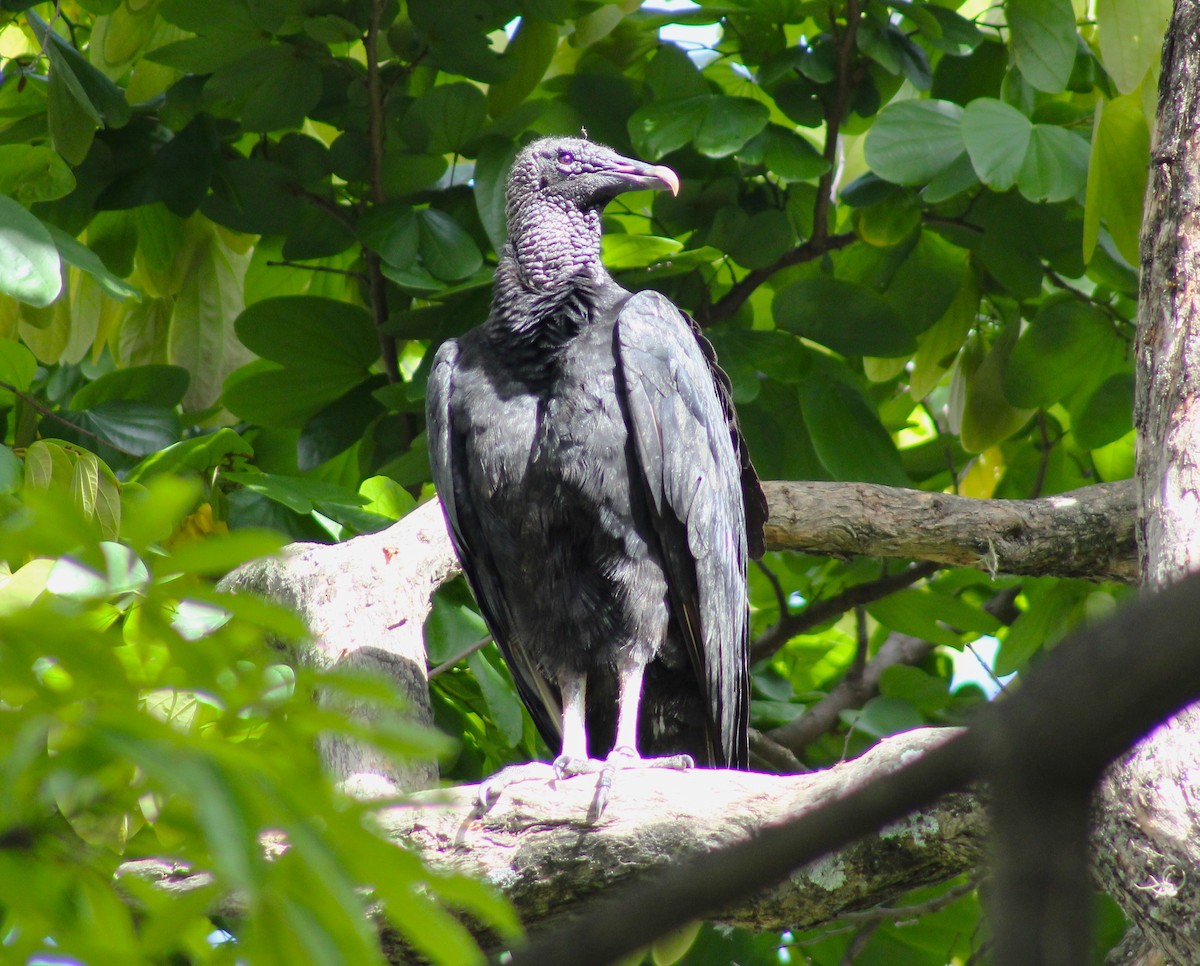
1084	533
537	847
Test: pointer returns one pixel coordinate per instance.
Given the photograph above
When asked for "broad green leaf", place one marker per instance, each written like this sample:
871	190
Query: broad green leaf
1043	41
448	252
74	252
134	428
1045	363
198	454
391	231
31	173
923	285
1055	165
17	369
300	494
386	497
445	119
491	170
12	470
405	173
846	317
923	691
30	270
621	251
72	124
997	138
157	385
1107	415
1131	38
847	434
311	333
938	346
266	90
728	123
1115	461
338	425
285	396
883	716
1043	622
201	336
786	154
958	176
911	141
501	699
219	555
531	49
987	417
665	126
1117	176
103	100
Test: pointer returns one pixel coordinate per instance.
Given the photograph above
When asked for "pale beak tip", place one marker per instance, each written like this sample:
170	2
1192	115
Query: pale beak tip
667	177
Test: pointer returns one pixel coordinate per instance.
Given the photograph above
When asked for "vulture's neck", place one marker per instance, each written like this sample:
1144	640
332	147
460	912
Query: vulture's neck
550	282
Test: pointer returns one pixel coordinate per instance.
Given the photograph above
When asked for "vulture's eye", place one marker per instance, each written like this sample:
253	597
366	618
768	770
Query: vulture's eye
566	157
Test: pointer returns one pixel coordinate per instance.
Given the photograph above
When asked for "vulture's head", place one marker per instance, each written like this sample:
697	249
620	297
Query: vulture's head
576	174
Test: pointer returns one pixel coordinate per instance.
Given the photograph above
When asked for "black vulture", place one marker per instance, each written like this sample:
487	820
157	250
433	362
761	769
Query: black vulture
597	489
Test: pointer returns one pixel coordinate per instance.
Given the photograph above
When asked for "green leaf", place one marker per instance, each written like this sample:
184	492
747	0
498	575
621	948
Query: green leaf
29	264
1117	176
199	454
445	119
1131	35
135	428
17	369
103	100
447	250
911	141
391	231
491	170
883	716
845	317
1043	41
531	50
74	252
157	385
31	173
923	691
997	138
661	127
300	494
338	425
622	251
501	698
267	90
1045	363
987	417
310	332
1107	415
786	154
220	554
847	434
285	396
1055	166
728	123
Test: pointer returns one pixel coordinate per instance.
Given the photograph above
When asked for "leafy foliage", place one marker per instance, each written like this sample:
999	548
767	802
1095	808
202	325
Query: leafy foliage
232	235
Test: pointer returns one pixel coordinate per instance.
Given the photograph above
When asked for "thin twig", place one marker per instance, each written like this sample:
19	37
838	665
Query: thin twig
820	611
464	653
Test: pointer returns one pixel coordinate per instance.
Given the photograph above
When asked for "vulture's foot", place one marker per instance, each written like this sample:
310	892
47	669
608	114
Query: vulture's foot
490	788
625	759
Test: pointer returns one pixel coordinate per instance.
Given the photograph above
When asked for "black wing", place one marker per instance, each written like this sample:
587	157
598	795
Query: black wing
447	461
688	449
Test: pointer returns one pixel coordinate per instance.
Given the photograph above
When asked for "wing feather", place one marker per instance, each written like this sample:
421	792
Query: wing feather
446	458
687	443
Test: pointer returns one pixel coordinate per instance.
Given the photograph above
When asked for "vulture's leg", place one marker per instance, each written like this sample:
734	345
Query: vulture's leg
624	753
574	757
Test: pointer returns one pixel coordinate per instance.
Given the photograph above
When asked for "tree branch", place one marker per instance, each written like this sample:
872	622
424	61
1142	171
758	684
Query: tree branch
1087	532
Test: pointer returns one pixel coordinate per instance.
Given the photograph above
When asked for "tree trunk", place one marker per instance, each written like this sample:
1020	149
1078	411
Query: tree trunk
1150	820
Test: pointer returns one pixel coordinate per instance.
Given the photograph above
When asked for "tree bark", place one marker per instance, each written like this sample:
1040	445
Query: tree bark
1088	532
1149	824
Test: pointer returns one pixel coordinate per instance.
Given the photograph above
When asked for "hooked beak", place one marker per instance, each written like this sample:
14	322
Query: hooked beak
654	176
